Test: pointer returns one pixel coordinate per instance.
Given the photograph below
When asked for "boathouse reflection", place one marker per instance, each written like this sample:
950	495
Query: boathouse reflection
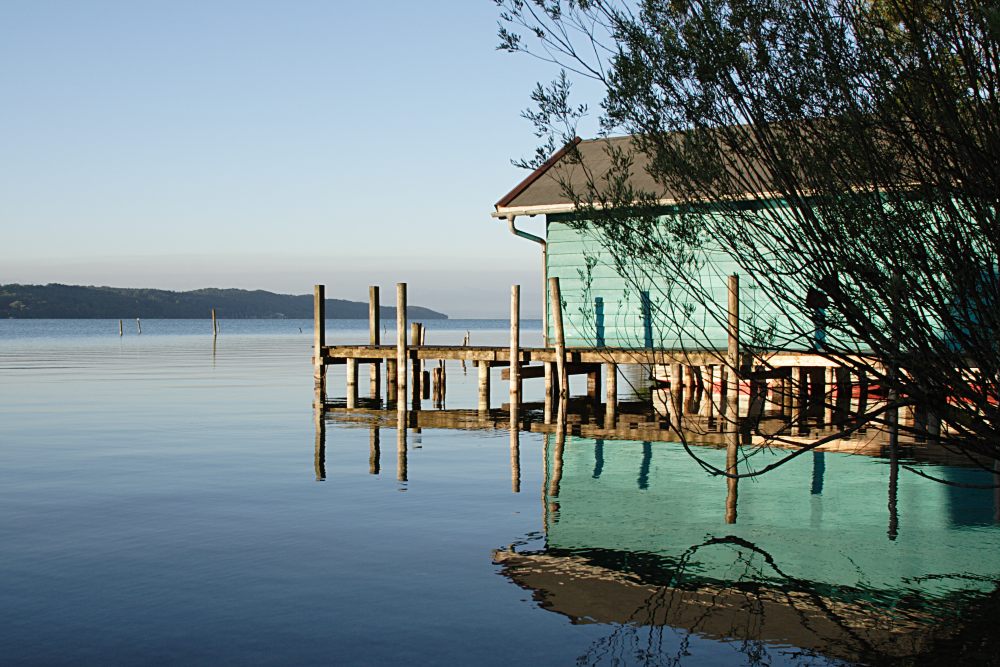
633	540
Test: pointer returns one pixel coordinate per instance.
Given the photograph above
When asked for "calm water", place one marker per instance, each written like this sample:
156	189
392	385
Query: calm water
161	505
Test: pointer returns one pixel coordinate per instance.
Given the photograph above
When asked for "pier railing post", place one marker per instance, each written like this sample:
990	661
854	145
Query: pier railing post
374	338
319	336
515	346
401	341
556	304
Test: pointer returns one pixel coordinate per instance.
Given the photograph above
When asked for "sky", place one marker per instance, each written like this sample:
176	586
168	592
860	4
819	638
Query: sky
266	145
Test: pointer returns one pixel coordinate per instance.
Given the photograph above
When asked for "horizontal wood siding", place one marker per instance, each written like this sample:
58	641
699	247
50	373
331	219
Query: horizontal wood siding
604	306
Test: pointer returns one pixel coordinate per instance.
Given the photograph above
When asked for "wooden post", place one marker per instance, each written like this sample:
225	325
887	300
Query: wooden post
800	408
593	379
611	394
677	392
708	382
438	378
723	390
732	483
401	341
484	386
391	378
788	394
828	402
557	321
733	351
138	326
374	338
319	332
352	383
515	346
416	375
215	326
121	329
547	412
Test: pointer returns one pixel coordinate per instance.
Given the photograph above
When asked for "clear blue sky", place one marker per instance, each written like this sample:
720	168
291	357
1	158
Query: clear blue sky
183	144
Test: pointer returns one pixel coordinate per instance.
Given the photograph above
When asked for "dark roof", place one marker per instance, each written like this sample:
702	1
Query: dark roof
544	187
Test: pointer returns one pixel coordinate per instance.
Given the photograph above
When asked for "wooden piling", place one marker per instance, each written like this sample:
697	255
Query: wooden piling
319	333
828	402
391	380
438	381
374	338
593	380
611	394
787	395
484	386
557	321
515	346
800	408
676	393
733	348
547	412
352	383
401	341
138	326
708	392
723	393
121	329
215	325
415	375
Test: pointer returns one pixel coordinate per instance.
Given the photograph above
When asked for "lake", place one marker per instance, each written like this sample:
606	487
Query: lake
165	500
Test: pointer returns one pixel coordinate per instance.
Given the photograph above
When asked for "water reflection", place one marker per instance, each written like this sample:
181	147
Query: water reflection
793	578
639	538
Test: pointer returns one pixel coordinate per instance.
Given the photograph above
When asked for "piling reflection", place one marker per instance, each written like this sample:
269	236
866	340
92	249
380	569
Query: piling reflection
401	473
319	457
515	449
374	450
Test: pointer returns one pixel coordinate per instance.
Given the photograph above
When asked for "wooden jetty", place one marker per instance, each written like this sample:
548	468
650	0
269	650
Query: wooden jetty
735	385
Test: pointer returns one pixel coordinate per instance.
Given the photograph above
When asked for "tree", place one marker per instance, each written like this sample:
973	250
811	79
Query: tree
846	147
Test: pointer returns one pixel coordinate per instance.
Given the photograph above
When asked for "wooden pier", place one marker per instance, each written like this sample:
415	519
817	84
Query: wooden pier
729	384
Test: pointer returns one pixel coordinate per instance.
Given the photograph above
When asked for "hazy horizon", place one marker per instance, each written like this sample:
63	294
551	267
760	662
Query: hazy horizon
262	146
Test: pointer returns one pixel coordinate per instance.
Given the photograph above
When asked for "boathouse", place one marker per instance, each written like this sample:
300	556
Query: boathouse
615	302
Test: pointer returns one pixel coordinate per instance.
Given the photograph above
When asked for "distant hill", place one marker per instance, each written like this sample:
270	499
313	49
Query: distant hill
74	301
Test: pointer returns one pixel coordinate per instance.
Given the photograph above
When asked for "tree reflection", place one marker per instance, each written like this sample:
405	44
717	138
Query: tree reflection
655	604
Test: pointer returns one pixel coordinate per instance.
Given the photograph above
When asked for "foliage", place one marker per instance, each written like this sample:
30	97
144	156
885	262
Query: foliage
850	146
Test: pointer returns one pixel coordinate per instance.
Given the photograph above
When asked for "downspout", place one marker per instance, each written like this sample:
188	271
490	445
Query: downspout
540	241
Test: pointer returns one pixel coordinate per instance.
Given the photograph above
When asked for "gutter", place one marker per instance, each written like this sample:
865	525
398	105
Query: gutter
540	241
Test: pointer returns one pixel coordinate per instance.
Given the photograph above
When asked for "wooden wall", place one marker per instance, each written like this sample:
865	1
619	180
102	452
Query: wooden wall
605	304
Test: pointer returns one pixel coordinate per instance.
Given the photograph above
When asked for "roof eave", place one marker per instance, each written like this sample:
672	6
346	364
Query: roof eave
537	173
